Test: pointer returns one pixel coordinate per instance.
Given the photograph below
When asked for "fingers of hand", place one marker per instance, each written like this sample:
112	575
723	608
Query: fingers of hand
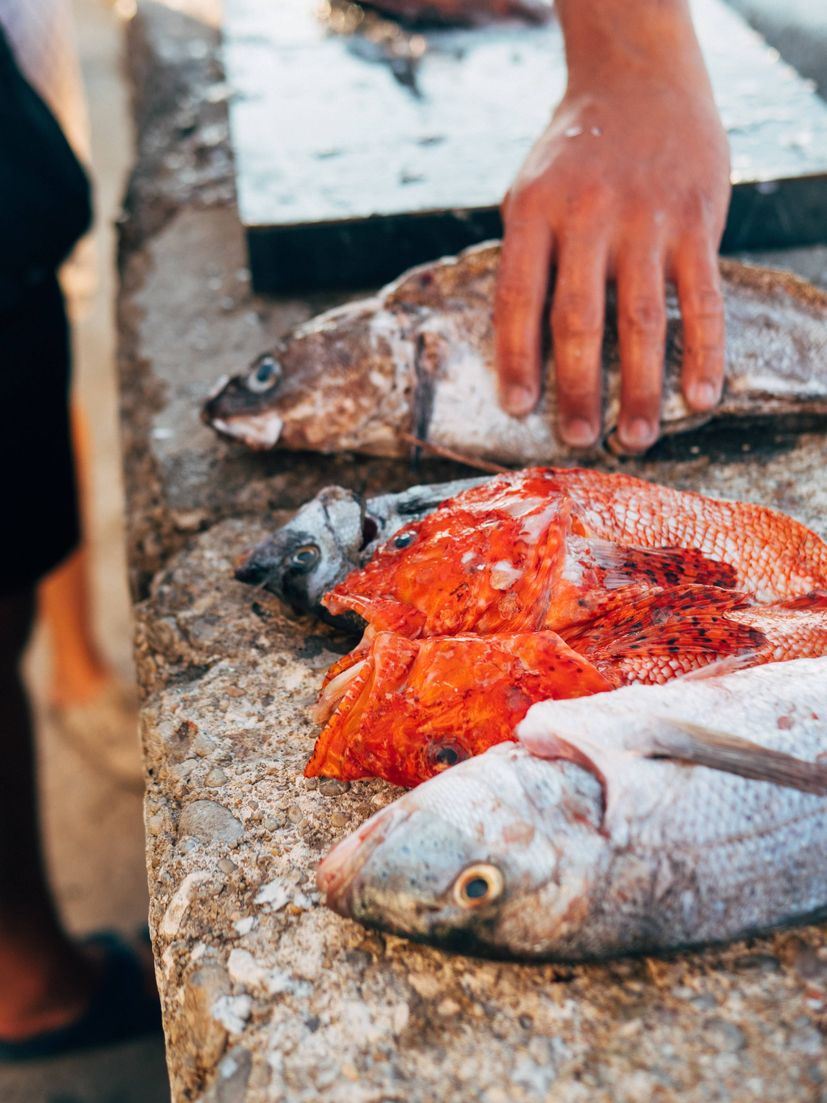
702	310
641	323
577	330
522	287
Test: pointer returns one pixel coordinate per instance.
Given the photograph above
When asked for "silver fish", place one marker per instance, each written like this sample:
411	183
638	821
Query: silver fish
417	359
620	824
464	12
333	534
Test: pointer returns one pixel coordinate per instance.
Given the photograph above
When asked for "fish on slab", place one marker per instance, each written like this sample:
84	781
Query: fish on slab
405	710
339	532
409	709
620	824
331	535
418	358
464	12
527	549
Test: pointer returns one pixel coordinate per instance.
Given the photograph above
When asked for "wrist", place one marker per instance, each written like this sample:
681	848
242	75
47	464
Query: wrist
608	41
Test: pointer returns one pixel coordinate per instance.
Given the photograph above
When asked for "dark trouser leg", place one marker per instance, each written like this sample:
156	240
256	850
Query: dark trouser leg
44	979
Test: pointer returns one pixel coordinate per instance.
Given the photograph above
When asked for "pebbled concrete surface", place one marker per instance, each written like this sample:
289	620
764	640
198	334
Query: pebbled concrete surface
267	996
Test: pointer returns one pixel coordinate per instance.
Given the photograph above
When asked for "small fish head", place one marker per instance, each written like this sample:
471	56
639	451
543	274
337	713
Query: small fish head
324	387
305	558
498	856
245	407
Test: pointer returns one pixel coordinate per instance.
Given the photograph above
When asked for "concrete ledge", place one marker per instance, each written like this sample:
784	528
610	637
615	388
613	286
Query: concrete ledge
267	996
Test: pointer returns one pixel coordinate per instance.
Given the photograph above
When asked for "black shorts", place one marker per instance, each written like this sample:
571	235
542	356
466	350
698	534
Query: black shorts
39	500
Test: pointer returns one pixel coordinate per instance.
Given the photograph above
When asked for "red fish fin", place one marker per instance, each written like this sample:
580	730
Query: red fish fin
660	566
329	754
685	620
345	663
815	599
384	667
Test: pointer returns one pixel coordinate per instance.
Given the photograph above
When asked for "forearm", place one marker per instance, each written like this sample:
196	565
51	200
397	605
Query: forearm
637	37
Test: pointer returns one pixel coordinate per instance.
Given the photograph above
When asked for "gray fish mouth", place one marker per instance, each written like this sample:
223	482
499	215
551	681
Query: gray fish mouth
258	431
337	873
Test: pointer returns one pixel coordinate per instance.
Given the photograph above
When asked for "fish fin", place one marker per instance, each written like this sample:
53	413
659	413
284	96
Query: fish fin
686	741
668	566
815	599
679	741
335	686
344	663
728	665
329	758
682	620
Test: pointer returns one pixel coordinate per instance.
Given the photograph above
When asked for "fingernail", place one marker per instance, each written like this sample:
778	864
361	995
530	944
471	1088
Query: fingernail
637	433
518	400
702	394
578	432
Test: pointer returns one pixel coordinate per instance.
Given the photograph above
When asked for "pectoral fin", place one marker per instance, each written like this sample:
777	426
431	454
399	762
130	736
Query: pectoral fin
660	566
679	741
684	741
679	620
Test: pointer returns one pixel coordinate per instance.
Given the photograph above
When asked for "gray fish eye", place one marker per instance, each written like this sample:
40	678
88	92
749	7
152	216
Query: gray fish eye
404	539
265	373
481	883
304	558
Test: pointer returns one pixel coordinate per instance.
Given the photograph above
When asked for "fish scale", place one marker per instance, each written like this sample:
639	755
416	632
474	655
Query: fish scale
774	555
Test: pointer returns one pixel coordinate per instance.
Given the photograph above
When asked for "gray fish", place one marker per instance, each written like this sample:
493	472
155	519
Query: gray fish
333	534
464	12
417	359
620	824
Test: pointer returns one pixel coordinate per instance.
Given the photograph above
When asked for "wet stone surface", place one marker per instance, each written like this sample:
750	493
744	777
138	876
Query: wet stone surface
267	996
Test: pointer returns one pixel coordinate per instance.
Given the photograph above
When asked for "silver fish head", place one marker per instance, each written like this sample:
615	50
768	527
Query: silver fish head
305	558
498	856
330	386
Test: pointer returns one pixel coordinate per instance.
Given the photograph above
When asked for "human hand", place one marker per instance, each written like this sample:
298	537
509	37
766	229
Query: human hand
629	182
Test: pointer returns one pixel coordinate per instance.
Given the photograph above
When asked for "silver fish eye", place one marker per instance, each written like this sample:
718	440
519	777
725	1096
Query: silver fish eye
265	373
481	883
404	539
304	558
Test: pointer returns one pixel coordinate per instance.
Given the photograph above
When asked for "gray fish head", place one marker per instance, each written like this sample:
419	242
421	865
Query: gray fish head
323	388
498	856
245	407
305	558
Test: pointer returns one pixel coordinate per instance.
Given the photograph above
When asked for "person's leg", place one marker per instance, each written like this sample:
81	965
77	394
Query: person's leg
79	670
45	979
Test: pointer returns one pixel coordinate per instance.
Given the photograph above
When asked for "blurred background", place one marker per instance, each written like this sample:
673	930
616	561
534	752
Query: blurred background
90	769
